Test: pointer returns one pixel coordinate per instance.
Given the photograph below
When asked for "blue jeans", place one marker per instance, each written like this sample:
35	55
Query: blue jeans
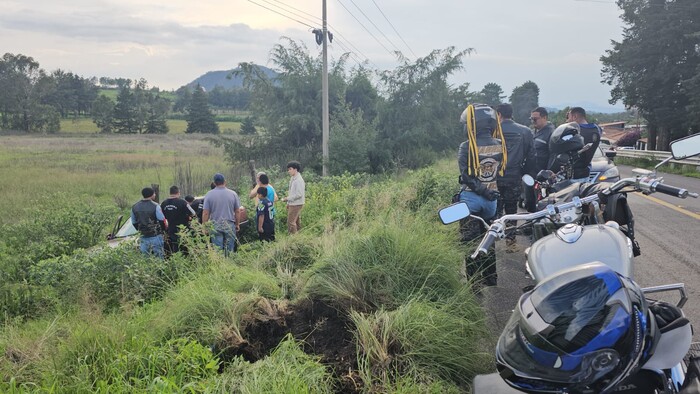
152	245
224	236
478	205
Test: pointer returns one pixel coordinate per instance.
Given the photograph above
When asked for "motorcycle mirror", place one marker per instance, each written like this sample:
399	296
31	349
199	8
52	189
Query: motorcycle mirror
528	180
544	175
610	154
686	147
453	213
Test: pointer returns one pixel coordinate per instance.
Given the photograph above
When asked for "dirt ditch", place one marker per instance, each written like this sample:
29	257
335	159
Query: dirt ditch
322	330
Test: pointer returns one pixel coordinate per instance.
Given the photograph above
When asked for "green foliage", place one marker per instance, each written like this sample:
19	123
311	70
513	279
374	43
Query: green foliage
199	117
103	113
24	87
248	127
287	370
667	94
419	116
524	99
385	267
492	94
351	142
138	110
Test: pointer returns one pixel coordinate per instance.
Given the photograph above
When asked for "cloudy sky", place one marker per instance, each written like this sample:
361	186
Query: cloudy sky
555	43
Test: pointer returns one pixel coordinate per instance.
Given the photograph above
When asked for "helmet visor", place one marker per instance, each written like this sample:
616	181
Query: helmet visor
532	356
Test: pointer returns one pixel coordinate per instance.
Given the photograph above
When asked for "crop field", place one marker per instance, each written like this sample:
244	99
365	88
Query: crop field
368	297
175	126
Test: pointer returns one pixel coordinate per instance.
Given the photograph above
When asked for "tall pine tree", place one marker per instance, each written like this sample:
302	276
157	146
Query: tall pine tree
199	117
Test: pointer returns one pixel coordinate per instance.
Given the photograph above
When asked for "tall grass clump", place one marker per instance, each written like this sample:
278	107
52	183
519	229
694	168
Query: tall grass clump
199	308
442	340
386	266
287	370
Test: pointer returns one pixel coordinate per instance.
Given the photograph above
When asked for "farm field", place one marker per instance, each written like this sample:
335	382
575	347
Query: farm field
176	126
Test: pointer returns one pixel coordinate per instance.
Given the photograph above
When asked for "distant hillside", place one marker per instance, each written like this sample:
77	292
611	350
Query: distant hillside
219	78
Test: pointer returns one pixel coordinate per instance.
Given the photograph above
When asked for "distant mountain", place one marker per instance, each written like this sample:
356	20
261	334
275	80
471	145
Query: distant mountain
213	79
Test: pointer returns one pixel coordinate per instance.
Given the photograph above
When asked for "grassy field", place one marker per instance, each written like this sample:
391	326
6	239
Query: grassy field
176	126
367	298
109	168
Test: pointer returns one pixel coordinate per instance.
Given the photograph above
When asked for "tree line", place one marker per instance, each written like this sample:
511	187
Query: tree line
406	117
33	100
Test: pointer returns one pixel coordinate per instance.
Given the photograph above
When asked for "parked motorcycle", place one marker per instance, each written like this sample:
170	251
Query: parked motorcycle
576	244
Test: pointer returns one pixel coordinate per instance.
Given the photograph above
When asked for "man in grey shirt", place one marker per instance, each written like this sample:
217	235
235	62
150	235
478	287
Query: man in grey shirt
222	208
296	197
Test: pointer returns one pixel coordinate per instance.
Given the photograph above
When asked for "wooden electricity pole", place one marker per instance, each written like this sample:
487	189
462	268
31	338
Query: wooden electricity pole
324	87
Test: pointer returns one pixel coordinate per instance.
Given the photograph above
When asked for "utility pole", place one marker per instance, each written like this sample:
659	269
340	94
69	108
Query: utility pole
324	87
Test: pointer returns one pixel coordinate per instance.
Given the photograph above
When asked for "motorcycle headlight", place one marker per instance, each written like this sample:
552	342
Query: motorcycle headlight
610	173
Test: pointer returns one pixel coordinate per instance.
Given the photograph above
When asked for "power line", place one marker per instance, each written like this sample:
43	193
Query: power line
375	26
335	31
279	13
392	26
313	19
363	26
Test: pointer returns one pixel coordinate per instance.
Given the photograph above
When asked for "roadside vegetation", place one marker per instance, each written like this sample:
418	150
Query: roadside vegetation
649	164
367	298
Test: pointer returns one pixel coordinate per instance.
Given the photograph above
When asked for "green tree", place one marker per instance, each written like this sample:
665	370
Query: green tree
419	117
524	99
492	94
103	113
199	118
248	127
361	94
351	141
157	111
664	90
125	116
24	89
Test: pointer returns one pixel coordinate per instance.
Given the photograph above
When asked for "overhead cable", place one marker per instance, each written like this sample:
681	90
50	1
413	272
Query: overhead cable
392	26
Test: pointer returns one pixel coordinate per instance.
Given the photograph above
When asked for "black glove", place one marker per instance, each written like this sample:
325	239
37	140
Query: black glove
491	195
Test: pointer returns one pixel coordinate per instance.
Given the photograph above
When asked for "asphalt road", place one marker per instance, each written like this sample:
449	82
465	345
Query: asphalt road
668	231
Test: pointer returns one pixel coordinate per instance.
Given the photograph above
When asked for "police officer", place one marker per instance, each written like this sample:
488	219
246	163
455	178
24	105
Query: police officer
481	159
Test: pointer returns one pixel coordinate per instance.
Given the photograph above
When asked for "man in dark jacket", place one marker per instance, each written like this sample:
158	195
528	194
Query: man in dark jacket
481	158
521	159
591	135
178	213
543	130
147	217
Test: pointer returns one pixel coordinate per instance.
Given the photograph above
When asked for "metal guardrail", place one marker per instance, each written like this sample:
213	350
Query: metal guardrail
658	156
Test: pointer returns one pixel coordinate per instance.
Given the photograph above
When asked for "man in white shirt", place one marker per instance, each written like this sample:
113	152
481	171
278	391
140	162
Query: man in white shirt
295	198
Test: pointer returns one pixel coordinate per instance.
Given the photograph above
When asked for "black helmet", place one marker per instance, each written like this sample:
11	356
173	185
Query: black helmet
582	330
565	138
485	116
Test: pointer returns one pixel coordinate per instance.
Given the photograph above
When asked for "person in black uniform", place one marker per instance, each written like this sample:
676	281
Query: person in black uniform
591	135
543	130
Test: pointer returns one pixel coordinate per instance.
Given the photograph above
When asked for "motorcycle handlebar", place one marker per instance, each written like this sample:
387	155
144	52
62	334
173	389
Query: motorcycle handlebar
485	244
670	190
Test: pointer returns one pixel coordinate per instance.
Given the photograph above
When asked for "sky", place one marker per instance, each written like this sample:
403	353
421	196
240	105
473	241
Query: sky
555	43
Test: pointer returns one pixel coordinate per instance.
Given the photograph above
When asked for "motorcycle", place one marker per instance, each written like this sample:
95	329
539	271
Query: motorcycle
582	237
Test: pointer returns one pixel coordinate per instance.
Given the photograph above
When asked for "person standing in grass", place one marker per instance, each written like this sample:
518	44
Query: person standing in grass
147	217
178	213
222	207
264	216
296	197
